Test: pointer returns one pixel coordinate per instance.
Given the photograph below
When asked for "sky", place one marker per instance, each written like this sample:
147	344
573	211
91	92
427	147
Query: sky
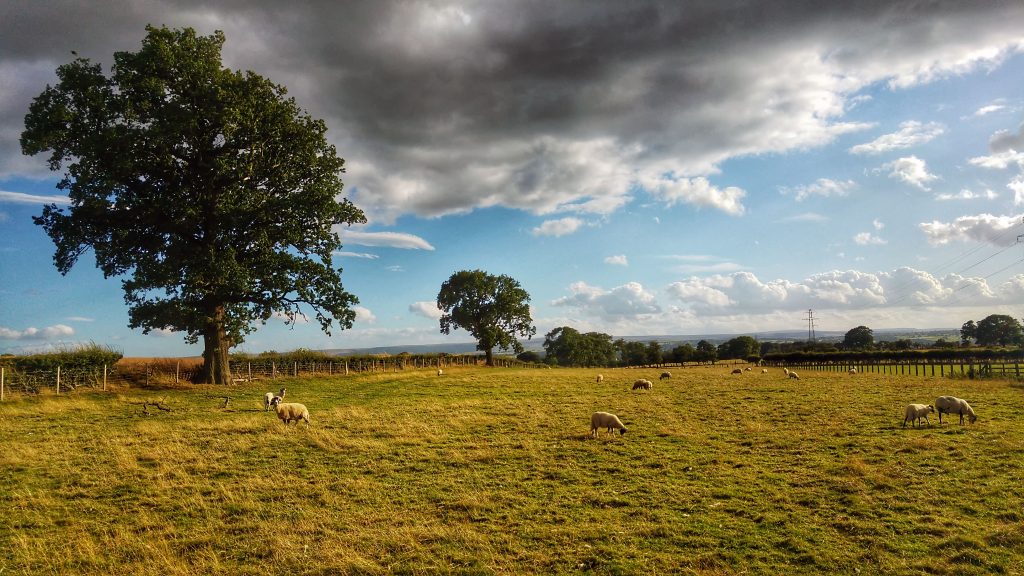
640	168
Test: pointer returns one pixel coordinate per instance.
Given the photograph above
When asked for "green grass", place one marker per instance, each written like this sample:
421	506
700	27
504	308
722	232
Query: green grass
492	471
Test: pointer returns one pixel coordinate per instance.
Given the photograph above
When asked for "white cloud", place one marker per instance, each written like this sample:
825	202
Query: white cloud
22	198
1000	160
966	194
618	260
426	309
696	191
364	314
986	110
878	224
385	239
1017	186
996	230
1004	140
805	217
821	187
910	134
559	227
868	239
629	301
364	255
911	170
49	333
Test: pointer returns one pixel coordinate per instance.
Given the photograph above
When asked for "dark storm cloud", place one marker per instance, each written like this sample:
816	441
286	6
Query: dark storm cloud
442	107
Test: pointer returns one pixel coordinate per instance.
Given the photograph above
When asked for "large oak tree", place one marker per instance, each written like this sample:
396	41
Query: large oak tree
494	309
208	191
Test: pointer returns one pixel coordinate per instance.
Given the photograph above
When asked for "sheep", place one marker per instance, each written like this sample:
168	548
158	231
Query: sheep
290	411
786	370
643	384
792	375
737	371
665	375
269	397
915	412
748	369
600	378
440	372
954	405
853	370
764	370
605	420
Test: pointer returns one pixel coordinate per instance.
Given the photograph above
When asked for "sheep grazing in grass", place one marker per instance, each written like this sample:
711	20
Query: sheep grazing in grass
786	371
737	371
440	372
954	405
792	375
853	370
288	411
600	378
643	384
915	412
605	420
764	370
665	375
269	397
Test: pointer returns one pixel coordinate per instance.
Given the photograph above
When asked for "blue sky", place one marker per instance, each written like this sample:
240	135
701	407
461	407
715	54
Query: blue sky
640	168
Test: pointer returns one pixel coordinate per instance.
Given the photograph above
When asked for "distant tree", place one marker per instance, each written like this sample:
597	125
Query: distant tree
654	353
210	193
998	329
631	353
493	309
567	347
529	356
901	344
706	352
683	353
968	332
738	347
943	343
859	338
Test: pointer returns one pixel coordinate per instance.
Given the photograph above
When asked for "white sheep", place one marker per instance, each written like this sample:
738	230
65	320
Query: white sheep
737	371
915	412
600	378
792	375
643	384
786	370
665	375
853	370
764	370
290	411
954	405
269	397
605	420
440	372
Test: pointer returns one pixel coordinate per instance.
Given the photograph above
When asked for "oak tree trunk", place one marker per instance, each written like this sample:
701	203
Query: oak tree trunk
216	369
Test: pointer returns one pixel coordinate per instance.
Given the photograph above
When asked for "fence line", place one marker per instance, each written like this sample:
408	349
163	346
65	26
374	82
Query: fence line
968	369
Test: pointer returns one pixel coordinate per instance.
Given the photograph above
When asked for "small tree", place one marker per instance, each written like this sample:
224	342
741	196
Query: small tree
706	352
493	309
968	332
859	338
212	193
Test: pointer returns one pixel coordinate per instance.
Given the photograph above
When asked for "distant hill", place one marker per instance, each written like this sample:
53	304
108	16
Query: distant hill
668	341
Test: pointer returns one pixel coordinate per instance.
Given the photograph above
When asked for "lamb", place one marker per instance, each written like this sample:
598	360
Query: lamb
915	412
954	405
269	397
665	375
643	384
290	411
600	378
605	420
792	375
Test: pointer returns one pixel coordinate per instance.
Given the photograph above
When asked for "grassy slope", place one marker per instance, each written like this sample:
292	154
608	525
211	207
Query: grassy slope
491	471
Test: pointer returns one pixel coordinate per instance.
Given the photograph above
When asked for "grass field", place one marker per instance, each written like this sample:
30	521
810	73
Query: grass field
492	472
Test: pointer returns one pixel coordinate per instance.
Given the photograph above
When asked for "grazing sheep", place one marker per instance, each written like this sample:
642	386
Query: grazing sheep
605	420
440	372
269	397
954	405
786	370
643	384
853	370
665	375
748	369
290	411
792	375
737	371
764	370
915	412
600	378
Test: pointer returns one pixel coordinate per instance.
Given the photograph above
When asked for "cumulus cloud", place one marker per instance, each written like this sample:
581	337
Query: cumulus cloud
385	239
696	191
629	301
1017	186
868	239
910	134
556	228
999	160
56	331
426	309
364	315
618	260
995	230
1004	140
911	170
822	187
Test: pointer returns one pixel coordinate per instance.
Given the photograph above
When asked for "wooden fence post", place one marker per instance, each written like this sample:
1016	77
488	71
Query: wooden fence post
1	384
177	371
104	377
58	379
